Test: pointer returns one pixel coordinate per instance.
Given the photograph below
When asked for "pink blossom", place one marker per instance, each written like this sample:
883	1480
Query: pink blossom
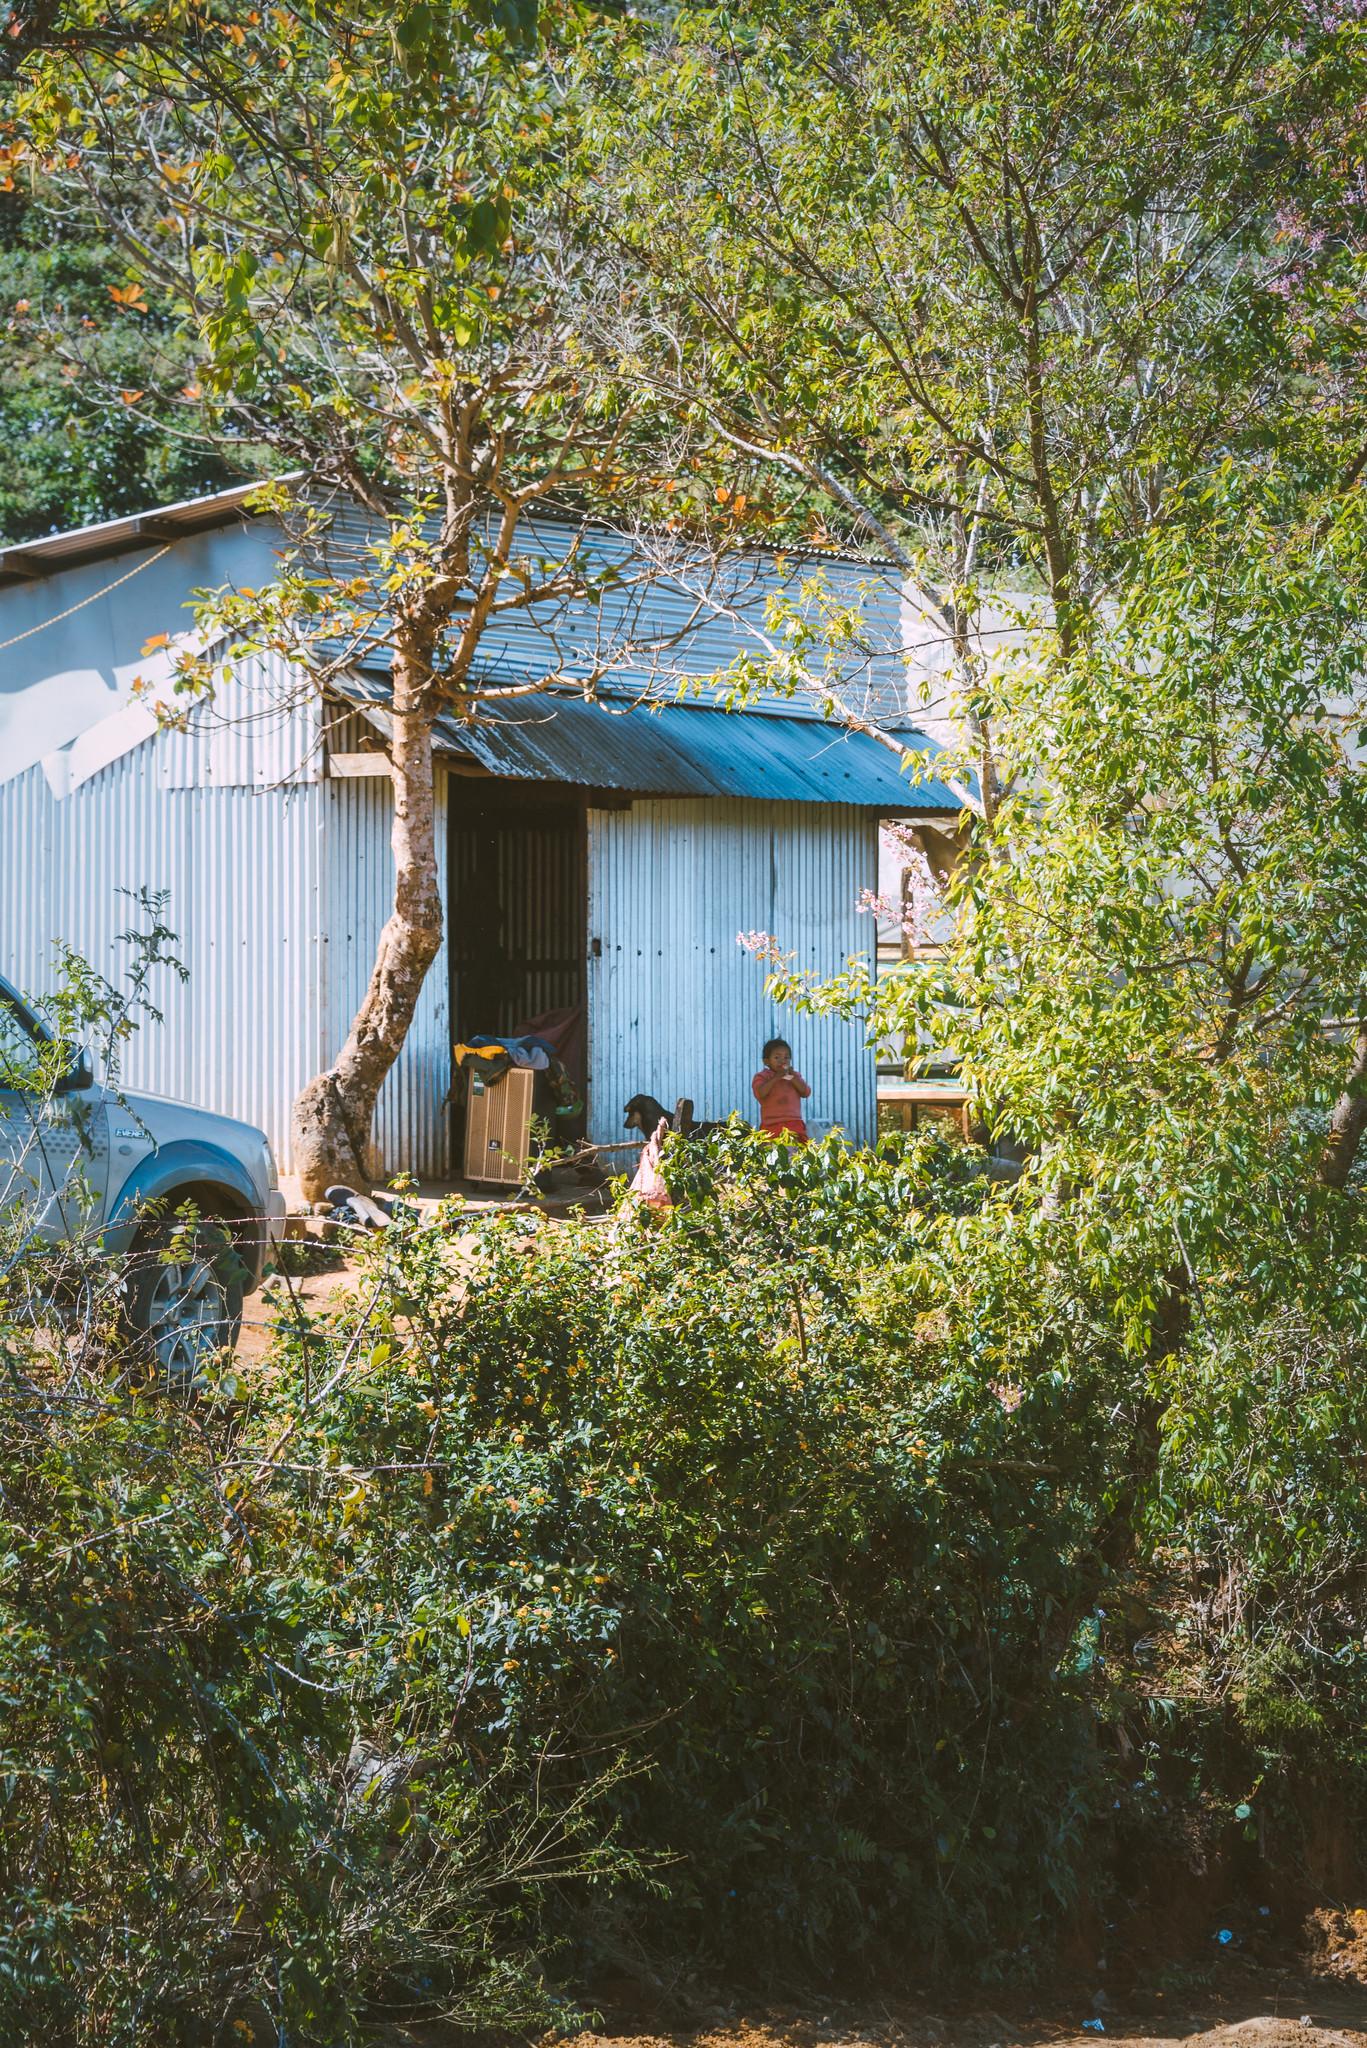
881	906
921	901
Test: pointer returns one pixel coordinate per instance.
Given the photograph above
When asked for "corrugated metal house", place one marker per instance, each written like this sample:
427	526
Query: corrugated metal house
595	854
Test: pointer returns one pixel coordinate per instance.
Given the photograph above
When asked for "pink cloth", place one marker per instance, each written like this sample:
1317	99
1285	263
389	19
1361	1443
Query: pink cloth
780	1107
648	1182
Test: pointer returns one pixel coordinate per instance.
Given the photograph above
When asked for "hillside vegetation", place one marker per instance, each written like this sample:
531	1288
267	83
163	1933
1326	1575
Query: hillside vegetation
819	1580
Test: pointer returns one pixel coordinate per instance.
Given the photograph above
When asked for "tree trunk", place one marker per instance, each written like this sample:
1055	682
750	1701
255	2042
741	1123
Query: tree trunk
1348	1119
332	1116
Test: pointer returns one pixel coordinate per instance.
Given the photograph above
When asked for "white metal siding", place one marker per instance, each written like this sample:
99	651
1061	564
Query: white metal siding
676	1006
410	1119
78	638
242	870
278	884
261	730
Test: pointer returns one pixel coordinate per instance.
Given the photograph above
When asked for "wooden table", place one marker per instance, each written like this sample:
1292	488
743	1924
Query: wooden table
914	1100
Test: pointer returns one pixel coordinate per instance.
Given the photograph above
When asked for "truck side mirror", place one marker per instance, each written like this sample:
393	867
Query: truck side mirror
80	1074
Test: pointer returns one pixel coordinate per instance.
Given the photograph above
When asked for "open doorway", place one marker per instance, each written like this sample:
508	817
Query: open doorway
517	911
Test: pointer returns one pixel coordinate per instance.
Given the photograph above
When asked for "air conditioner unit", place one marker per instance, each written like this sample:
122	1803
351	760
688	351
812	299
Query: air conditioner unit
498	1127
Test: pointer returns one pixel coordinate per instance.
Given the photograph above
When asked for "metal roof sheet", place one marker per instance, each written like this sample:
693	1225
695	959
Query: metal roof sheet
686	750
665	618
55	551
662	618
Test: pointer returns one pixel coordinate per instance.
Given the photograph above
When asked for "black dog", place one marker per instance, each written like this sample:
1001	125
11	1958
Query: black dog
644	1113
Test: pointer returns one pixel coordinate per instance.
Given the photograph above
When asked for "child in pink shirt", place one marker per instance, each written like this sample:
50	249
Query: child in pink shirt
780	1091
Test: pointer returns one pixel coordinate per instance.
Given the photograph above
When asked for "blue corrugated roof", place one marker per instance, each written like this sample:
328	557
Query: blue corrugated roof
688	750
665	623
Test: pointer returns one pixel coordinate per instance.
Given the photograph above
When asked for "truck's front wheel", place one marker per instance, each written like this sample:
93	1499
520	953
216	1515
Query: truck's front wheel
184	1296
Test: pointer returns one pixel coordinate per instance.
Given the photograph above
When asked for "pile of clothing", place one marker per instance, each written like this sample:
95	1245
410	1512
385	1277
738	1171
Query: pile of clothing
554	1094
363	1211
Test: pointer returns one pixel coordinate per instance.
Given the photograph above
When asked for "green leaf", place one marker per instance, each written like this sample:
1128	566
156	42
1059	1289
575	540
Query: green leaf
414	27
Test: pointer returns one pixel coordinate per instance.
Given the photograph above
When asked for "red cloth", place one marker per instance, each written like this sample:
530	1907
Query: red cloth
780	1107
564	1029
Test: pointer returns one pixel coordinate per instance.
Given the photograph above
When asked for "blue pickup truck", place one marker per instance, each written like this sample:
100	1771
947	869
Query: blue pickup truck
77	1158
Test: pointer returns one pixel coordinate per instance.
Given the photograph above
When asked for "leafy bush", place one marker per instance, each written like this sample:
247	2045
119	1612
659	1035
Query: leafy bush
208	1739
211	1746
822	1571
839	1502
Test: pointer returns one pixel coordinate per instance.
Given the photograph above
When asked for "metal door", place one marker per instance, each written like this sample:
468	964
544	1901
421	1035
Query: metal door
516	940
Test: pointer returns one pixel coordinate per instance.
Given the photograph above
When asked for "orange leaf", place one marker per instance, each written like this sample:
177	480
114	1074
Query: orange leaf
130	397
129	295
157	640
427	1482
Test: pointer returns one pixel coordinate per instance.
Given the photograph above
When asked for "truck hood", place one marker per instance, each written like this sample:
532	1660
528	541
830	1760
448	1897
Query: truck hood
167	1122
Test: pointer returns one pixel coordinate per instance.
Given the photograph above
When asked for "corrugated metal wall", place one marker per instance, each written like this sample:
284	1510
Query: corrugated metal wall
242	868
279	883
676	1006
262	730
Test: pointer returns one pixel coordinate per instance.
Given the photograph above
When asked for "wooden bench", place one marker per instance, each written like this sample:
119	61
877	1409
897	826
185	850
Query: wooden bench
913	1100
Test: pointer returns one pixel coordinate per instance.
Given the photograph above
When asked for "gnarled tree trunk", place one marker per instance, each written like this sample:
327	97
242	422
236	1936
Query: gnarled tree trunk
333	1114
1347	1119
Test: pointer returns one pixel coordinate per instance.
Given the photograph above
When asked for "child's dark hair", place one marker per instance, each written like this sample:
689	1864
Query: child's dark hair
772	1045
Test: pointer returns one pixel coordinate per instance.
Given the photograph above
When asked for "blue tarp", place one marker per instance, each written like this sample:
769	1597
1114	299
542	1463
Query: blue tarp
692	750
684	750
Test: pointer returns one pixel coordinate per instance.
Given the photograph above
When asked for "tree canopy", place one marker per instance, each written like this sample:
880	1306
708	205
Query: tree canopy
988	285
908	1562
85	432
365	226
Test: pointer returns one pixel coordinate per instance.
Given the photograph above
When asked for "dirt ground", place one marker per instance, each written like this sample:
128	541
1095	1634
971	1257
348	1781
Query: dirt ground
1333	2023
1313	1996
313	1291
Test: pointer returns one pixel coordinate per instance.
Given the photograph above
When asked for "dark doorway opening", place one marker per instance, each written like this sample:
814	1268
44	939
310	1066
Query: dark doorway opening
517	911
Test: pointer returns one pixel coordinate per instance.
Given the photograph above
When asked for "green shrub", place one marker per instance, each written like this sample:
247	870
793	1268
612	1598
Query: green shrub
209	1737
227	1810
822	1572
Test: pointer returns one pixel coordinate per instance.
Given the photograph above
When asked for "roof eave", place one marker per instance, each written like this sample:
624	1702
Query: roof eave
29	560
